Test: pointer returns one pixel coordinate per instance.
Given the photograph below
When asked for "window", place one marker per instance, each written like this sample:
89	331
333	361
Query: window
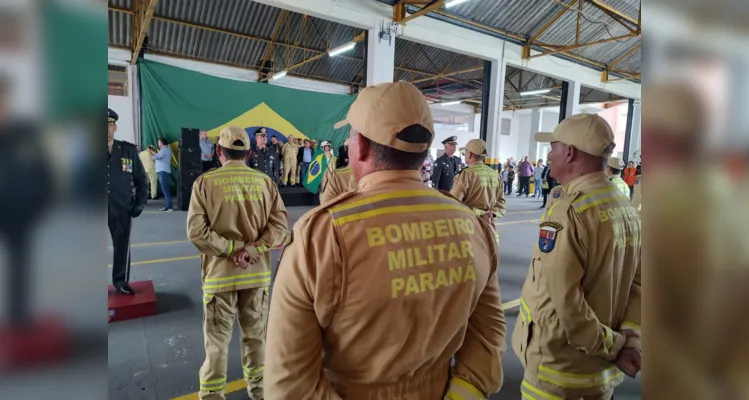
117	85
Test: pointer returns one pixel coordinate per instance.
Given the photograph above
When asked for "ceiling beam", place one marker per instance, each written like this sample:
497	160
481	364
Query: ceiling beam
580	46
624	56
276	32
579	21
433	6
612	10
358	38
144	20
551	22
465	71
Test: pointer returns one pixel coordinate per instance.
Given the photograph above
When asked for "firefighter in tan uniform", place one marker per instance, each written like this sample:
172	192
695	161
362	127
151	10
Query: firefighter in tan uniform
614	167
149	165
478	186
336	182
236	215
288	151
380	288
579	326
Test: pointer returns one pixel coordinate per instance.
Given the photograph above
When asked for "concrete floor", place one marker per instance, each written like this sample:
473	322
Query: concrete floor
159	357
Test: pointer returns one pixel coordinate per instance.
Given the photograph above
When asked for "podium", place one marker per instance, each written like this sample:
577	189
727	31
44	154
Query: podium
141	304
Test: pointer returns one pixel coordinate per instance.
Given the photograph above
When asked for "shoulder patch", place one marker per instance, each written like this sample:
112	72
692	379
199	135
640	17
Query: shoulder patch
547	236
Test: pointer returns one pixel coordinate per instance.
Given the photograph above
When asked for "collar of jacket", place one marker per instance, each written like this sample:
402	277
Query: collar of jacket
585	180
376	179
235	163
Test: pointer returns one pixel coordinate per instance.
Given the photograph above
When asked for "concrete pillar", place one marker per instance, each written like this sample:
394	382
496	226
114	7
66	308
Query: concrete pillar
536	116
380	58
492	110
635	137
573	99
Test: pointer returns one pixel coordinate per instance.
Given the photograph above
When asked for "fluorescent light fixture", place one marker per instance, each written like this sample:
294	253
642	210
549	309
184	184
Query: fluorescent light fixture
342	49
454	3
279	75
451	103
532	92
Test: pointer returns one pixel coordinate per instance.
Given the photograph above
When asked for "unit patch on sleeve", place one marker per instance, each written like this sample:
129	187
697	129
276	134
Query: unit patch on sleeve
547	236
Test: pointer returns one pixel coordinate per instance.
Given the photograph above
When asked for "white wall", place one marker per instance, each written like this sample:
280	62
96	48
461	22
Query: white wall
123	106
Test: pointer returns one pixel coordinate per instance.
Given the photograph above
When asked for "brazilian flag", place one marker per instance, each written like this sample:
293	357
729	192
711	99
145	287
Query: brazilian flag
315	171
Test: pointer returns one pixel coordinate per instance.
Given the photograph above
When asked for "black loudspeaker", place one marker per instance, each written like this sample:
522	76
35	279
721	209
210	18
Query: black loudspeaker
183	199
190	165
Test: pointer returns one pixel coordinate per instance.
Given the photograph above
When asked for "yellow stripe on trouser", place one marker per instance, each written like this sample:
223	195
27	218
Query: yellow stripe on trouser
531	392
253	373
525	312
578	381
213	385
237	280
460	389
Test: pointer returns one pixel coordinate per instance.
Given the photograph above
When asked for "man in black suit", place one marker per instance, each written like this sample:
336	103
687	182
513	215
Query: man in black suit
342	160
127	189
447	166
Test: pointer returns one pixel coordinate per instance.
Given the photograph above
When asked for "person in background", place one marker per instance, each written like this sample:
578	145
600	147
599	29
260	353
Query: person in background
548	182
275	145
428	168
342	160
525	172
614	167
262	158
537	180
206	151
305	158
335	182
163	160
630	176
126	195
348	318
503	174
146	158
478	185
446	166
289	152
327	149
510	178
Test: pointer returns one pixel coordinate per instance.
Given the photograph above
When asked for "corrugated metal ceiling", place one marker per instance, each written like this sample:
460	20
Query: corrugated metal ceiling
239	32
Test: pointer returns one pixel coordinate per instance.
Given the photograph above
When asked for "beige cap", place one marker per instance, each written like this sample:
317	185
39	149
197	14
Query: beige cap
231	134
615	163
477	147
381	111
587	132
674	109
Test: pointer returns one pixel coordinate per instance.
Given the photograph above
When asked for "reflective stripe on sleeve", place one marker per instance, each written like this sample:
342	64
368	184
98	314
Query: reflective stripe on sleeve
461	389
531	392
525	312
207	297
578	381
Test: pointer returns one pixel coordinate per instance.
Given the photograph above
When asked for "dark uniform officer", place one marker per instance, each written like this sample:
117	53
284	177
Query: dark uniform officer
127	189
446	166
262	158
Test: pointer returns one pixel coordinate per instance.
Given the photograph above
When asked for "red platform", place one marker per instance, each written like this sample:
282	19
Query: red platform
141	304
40	342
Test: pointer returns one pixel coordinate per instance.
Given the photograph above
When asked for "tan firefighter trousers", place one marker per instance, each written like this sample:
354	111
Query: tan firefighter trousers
250	306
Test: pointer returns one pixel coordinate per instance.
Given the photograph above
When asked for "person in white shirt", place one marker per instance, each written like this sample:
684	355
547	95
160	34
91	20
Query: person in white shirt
537	178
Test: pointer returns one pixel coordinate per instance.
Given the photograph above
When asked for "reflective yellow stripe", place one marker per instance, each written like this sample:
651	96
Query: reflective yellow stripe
213	382
398	209
231	247
207	297
235	277
451	395
631	325
608	339
549	211
531	391
237	283
587	198
467	387
253	373
619	197
579	381
527	317
387	196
